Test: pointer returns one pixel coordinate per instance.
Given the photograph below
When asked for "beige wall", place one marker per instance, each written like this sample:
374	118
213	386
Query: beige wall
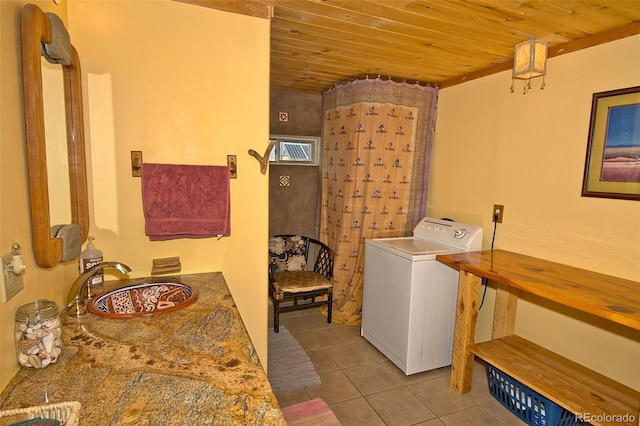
14	208
185	85
181	83
528	153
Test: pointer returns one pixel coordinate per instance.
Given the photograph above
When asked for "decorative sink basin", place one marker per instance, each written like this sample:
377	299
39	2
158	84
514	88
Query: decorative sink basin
142	300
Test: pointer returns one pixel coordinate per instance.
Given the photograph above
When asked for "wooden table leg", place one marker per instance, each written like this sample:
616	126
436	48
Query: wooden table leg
504	313
465	331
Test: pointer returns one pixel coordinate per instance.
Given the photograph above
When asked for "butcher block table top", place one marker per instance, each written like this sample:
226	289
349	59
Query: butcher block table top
605	296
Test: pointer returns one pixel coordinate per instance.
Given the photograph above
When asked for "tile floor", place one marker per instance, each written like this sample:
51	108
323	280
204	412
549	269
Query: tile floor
362	387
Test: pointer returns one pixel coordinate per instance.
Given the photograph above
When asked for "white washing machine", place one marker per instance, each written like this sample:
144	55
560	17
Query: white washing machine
409	298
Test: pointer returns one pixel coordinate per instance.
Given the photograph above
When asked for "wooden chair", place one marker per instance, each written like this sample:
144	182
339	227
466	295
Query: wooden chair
300	272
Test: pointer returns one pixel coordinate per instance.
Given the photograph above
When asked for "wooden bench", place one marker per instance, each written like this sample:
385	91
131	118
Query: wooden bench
568	384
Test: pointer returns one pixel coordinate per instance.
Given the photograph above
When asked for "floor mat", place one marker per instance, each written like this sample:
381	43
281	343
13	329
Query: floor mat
310	413
289	367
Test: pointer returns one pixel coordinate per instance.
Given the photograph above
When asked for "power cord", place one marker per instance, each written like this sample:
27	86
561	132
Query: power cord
493	239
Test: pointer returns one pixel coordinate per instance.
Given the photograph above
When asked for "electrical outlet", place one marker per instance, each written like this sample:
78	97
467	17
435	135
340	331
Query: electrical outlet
498	212
11	283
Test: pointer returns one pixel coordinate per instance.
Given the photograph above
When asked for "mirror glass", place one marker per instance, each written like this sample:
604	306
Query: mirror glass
55	130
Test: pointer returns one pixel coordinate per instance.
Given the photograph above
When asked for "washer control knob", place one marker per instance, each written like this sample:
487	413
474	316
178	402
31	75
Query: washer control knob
460	233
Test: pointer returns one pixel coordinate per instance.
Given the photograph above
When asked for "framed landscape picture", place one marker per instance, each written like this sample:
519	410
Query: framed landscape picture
612	167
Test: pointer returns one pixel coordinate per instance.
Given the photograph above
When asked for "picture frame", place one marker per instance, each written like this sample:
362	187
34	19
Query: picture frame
612	165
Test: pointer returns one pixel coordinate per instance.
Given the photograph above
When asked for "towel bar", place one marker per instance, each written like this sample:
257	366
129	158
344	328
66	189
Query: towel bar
136	163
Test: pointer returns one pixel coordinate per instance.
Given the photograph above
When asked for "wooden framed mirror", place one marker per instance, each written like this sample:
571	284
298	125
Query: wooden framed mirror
35	29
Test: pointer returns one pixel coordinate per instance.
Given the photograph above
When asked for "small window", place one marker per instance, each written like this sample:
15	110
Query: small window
295	149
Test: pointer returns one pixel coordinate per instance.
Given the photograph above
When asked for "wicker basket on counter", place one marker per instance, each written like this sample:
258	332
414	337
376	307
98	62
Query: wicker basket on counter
67	413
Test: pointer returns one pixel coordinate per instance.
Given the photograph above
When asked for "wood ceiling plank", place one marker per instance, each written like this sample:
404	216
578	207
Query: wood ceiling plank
469	24
609	13
316	43
324	42
377	38
550	17
330	18
422	68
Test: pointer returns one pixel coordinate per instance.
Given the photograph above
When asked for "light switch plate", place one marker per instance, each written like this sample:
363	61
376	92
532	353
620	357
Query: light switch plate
11	283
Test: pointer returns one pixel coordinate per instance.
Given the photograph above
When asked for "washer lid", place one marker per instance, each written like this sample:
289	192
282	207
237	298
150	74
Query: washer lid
414	246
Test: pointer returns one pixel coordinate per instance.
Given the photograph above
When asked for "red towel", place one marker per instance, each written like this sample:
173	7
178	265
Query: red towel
181	201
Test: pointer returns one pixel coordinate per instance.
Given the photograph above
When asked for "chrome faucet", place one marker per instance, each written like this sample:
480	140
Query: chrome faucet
79	290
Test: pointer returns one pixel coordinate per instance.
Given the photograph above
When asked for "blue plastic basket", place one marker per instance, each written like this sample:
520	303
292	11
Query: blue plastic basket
528	405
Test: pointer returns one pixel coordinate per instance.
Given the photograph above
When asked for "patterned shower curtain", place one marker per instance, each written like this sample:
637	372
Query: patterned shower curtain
377	139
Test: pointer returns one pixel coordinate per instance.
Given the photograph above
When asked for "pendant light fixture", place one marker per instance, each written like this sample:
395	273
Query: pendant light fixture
529	61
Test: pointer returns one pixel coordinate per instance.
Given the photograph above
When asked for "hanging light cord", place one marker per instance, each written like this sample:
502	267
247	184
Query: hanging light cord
485	280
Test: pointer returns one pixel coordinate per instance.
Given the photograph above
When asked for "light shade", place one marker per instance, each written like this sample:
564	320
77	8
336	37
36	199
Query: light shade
530	61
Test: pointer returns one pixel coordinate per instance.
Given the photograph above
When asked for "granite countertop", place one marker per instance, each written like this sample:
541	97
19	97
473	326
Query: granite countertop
193	366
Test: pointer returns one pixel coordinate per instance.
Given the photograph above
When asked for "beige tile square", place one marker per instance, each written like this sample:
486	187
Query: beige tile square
356	412
286	399
437	396
434	422
414	378
302	323
335	387
307	340
399	407
322	360
373	377
502	413
337	335
476	416
352	354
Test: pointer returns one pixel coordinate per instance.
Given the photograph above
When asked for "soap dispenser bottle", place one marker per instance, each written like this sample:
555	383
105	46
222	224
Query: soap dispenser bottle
90	257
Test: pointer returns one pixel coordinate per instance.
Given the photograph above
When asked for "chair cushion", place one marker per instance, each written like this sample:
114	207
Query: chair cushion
287	254
300	281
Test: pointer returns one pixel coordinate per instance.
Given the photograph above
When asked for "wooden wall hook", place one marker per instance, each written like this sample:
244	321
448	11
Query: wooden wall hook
263	160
